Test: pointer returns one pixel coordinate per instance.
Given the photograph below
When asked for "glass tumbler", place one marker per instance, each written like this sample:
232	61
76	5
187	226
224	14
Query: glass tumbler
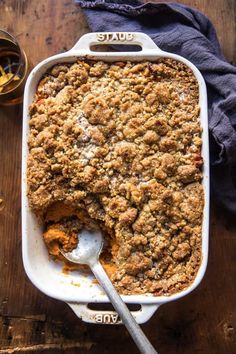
13	70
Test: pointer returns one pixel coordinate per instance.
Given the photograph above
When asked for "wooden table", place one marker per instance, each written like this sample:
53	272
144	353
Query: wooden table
30	322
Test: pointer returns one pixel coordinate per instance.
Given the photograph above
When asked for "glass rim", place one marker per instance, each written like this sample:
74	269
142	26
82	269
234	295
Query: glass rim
22	58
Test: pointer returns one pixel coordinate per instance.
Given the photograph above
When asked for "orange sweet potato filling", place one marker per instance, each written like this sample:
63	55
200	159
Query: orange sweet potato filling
56	237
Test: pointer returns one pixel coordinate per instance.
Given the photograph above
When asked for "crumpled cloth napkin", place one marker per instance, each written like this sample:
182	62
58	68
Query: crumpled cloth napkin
185	31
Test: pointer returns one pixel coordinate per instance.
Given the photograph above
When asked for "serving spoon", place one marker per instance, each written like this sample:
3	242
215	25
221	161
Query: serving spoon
87	252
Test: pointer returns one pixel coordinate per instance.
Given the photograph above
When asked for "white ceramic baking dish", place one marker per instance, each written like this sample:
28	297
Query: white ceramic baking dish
74	288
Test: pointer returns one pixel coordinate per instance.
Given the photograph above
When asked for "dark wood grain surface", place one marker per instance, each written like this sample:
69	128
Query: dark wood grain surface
30	322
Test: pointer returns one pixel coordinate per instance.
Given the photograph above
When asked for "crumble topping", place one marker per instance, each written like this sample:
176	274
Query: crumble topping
117	146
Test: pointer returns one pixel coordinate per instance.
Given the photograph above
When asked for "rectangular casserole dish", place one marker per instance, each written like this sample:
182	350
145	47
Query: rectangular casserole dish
74	288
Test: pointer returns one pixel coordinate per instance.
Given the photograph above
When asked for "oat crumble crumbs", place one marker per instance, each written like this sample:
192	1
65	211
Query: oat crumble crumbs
118	146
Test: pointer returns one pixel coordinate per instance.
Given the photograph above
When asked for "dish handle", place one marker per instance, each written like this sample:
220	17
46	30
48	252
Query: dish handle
85	43
111	317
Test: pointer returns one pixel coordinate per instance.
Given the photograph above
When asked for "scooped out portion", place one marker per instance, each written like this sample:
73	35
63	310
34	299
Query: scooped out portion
117	146
64	226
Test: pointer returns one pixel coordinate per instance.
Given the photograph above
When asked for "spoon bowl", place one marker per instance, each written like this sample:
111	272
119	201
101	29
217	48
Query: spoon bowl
89	247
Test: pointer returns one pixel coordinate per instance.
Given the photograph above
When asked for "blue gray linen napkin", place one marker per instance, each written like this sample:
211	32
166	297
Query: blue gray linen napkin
185	31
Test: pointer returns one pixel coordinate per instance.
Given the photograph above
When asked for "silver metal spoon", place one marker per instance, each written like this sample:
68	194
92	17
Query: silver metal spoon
87	252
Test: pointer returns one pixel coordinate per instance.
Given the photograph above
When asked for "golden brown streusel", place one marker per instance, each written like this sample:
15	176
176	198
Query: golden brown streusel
118	146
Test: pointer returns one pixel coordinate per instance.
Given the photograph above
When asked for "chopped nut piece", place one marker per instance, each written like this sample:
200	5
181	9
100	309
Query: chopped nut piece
150	137
182	251
188	173
128	216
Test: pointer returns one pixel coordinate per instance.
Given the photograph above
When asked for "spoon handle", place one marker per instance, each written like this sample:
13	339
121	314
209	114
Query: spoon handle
128	320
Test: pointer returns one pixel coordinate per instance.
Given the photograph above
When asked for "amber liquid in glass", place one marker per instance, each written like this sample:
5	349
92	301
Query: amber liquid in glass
12	71
9	65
